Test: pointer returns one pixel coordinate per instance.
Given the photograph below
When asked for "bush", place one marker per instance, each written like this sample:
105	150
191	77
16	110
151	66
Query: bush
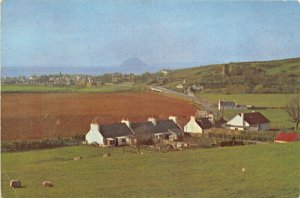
37	144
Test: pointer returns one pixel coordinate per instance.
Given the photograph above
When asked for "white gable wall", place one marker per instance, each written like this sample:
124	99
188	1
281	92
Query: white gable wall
237	123
94	135
192	127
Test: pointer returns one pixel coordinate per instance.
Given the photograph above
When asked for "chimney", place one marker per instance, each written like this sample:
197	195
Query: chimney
95	126
152	119
174	118
127	122
242	116
193	118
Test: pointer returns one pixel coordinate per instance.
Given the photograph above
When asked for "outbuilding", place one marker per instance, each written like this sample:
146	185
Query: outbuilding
284	137
254	121
197	126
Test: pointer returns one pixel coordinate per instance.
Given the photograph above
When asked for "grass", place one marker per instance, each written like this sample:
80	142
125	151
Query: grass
105	88
272	170
259	100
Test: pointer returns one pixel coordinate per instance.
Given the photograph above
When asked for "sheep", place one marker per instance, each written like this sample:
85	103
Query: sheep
78	158
47	184
15	183
106	155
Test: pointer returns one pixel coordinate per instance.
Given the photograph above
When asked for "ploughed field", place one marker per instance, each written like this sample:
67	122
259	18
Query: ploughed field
44	115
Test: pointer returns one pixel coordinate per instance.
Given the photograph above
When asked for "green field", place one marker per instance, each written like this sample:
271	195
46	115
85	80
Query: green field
259	100
105	88
272	170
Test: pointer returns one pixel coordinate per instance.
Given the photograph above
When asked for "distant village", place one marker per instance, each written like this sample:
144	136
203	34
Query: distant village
86	80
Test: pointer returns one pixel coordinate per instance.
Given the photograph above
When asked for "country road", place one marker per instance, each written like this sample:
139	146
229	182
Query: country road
200	102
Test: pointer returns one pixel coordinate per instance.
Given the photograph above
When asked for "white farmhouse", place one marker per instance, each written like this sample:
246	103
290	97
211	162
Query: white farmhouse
197	126
254	121
117	134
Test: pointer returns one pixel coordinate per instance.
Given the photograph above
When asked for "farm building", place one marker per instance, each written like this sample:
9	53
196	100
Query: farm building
166	129
221	123
283	137
197	125
143	130
254	121
123	133
180	86
117	134
226	105
205	114
156	129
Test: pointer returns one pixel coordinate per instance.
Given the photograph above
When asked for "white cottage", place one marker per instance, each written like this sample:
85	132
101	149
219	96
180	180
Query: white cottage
197	126
117	134
254	121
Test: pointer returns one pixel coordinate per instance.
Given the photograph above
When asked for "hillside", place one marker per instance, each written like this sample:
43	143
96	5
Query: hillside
279	76
271	170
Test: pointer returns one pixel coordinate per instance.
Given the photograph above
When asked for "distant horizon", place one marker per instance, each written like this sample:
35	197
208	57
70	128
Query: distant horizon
203	65
23	71
98	33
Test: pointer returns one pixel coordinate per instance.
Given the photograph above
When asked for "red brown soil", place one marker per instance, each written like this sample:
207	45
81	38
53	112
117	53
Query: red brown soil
35	115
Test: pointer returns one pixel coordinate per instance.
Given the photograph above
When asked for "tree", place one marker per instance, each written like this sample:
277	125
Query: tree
293	110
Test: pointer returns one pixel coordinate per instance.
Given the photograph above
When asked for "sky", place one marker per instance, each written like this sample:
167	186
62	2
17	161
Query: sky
104	33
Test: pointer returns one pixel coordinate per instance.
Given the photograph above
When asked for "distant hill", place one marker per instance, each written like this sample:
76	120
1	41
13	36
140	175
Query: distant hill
135	65
278	76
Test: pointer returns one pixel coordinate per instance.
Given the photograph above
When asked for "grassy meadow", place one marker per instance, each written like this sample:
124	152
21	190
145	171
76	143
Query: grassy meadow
39	88
272	170
259	100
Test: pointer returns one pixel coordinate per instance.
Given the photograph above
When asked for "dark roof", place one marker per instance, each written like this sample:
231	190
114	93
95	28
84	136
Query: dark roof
227	103
204	123
115	130
255	118
163	126
143	127
220	122
176	130
287	137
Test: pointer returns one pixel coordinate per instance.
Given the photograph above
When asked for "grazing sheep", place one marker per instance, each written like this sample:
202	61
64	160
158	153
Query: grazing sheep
78	158
106	155
47	184
15	183
243	169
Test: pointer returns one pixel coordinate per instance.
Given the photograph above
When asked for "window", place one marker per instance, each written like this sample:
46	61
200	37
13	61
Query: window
123	140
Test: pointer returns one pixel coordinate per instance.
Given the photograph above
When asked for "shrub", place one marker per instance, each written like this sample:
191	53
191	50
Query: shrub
37	144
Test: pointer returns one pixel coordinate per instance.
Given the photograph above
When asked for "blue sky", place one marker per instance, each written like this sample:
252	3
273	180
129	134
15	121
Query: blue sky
89	33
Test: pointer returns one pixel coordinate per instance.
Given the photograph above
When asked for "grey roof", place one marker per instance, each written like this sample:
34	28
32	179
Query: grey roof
204	123
163	126
143	127
220	122
115	130
176	130
227	103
